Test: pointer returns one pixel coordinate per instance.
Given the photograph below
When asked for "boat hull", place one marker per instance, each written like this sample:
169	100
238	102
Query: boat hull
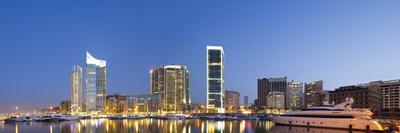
336	123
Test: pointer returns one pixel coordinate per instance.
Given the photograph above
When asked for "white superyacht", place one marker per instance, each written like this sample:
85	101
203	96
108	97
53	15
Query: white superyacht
340	116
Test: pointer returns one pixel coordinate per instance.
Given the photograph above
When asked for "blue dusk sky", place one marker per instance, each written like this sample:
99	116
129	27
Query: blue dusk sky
342	42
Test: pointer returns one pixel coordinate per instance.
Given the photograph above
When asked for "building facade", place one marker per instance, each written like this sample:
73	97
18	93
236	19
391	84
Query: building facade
294	95
390	97
76	89
276	100
148	103
313	93
172	83
271	88
95	84
363	95
65	107
116	104
215	79
232	101
261	101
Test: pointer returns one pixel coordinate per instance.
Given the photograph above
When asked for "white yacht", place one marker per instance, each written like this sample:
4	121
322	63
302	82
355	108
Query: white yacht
340	116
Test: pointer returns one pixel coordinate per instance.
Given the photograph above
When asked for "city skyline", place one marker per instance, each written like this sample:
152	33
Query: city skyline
330	45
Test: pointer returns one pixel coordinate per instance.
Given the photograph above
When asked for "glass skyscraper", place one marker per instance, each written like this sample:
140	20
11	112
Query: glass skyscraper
76	89
172	83
215	79
95	83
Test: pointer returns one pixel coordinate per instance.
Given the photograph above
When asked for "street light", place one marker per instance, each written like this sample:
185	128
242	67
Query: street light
16	109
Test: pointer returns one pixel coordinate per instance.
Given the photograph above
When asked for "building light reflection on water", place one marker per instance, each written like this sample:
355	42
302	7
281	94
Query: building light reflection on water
16	128
143	125
51	129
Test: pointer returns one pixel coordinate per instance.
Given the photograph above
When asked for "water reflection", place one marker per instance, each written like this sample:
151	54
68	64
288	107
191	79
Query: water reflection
154	126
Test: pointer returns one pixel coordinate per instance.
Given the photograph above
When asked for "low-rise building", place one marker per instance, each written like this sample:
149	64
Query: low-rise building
363	95
148	103
65	107
116	103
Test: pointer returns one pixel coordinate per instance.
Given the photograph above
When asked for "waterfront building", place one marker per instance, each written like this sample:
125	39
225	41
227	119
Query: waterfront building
246	101
215	79
232	101
65	107
276	100
148	103
390	97
261	101
271	88
76	89
172	83
294	95
363	95
116	104
95	84
313	93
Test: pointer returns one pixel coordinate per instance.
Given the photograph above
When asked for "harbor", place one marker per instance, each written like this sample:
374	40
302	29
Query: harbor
183	122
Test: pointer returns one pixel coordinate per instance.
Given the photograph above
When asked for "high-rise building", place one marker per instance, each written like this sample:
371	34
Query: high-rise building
215	79
261	101
76	89
363	95
313	93
172	83
95	83
273	88
294	95
148	103
246	101
232	101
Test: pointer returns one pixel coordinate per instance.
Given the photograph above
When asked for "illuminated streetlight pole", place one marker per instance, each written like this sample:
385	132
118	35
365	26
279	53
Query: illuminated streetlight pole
16	109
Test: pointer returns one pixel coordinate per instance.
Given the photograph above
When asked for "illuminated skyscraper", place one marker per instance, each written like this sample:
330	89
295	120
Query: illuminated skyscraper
172	83
95	83
76	89
215	79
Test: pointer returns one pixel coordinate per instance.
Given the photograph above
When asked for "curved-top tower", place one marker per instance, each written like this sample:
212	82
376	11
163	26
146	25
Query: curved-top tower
95	84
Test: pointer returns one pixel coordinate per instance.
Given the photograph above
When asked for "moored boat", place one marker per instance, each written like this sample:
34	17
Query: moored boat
340	116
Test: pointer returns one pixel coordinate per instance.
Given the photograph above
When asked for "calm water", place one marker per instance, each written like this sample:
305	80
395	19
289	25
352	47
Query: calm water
154	126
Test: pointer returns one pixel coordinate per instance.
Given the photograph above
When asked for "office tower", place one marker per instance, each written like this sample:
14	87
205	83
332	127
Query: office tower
363	95
116	103
172	83
215	79
95	83
261	101
76	89
148	103
294	95
313	93
271	88
246	101
232	101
